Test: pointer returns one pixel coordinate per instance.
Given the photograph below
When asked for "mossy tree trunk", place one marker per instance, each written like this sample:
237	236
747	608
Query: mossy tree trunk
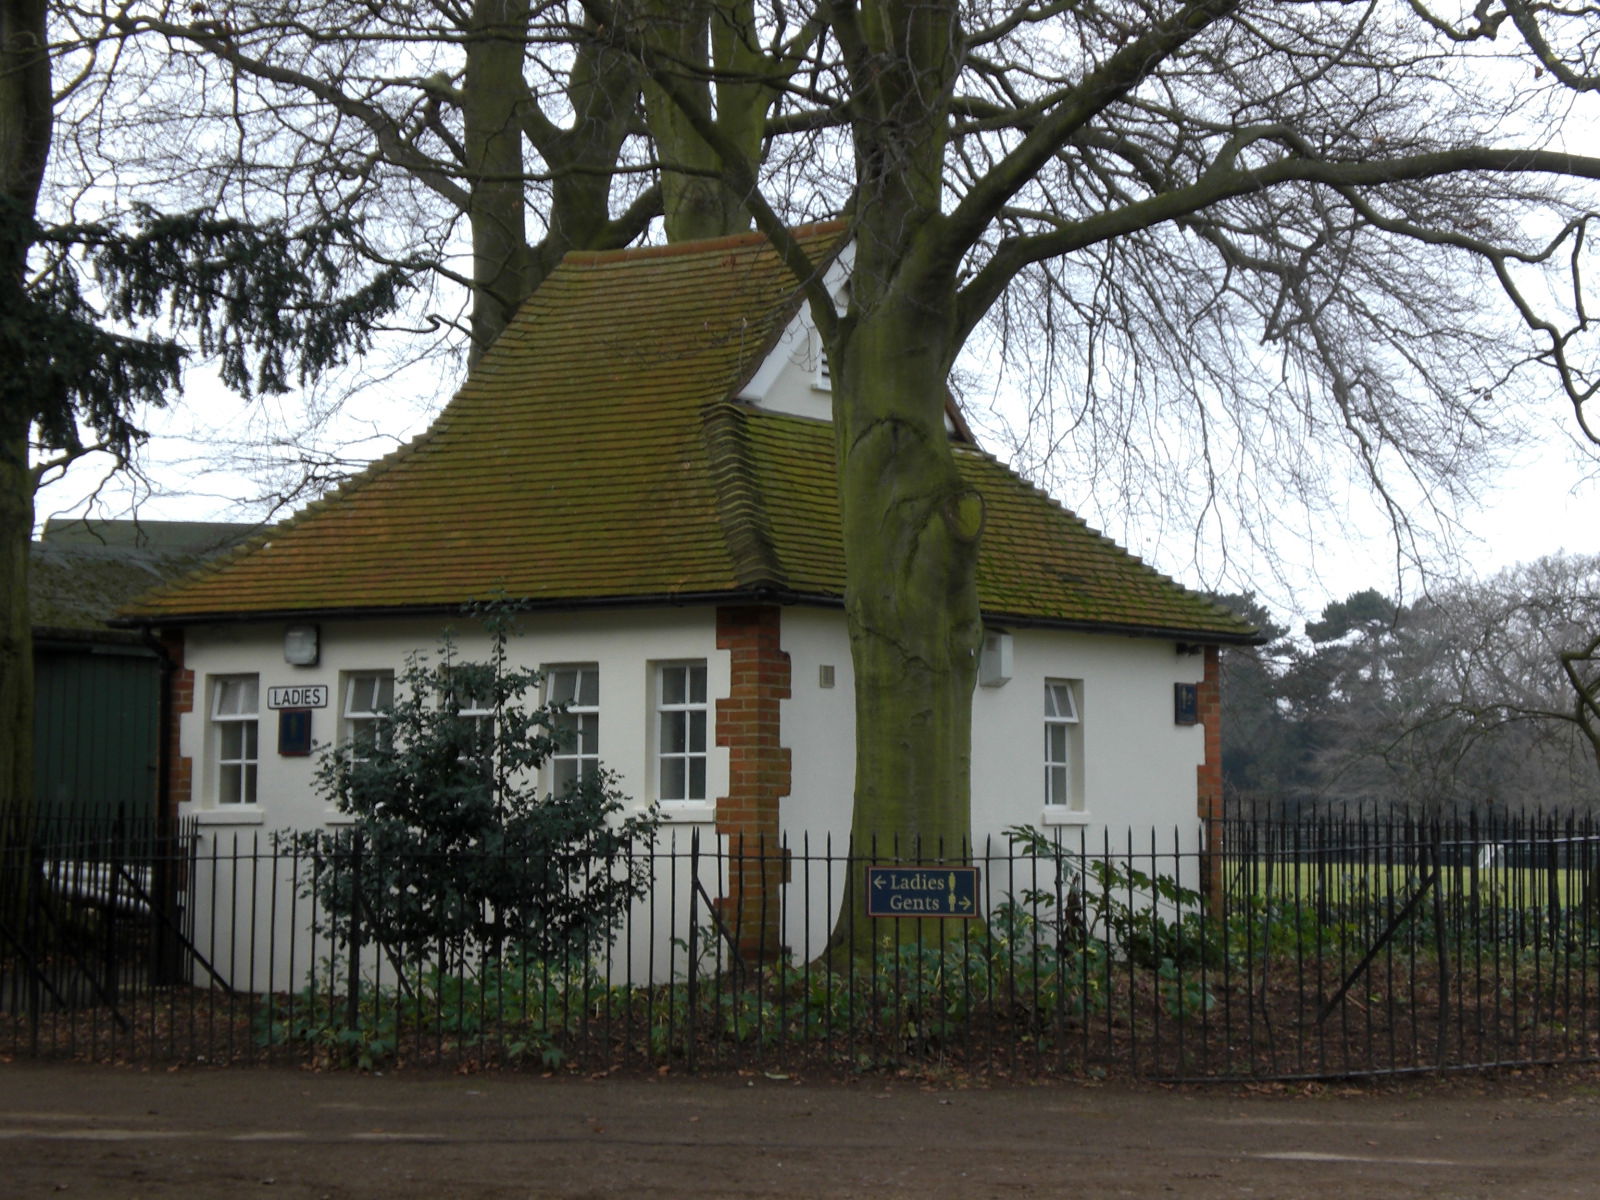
911	527
911	535
495	172
702	39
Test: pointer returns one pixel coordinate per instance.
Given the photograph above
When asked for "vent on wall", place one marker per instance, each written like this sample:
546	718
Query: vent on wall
825	676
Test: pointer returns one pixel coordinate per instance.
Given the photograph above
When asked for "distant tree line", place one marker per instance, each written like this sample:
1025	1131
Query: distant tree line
1479	696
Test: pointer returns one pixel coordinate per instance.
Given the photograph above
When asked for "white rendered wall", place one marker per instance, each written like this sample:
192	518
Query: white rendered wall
1137	768
240	880
625	644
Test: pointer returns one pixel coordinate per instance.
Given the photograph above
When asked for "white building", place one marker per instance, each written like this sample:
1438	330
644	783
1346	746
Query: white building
645	460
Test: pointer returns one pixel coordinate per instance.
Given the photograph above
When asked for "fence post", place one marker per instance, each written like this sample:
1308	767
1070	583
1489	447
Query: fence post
1441	942
352	1002
694	948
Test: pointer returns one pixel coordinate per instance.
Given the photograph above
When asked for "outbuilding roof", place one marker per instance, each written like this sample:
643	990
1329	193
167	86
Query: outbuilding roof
595	456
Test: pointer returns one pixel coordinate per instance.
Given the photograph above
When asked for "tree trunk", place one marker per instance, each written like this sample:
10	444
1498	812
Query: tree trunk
911	528
491	98
911	532
705	37
25	116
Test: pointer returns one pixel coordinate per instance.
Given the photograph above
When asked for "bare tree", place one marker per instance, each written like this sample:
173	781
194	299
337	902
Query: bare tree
1282	219
1524	648
485	138
1478	696
488	137
1230	229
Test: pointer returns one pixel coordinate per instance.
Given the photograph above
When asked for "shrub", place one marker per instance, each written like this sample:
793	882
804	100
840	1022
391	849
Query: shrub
454	851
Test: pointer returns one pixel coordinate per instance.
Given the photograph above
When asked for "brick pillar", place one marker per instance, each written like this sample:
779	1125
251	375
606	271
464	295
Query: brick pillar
179	770
168	961
758	775
1209	789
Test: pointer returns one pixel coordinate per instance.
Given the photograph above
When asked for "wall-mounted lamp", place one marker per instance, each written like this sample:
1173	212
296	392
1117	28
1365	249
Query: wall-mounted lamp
994	660
301	645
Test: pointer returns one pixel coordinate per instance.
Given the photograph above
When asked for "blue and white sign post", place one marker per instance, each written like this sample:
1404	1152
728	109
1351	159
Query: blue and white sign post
922	892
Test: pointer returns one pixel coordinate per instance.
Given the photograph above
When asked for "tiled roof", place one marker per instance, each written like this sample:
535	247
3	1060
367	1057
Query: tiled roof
593	456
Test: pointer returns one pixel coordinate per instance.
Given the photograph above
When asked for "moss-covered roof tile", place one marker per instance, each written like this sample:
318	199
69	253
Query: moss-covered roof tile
593	456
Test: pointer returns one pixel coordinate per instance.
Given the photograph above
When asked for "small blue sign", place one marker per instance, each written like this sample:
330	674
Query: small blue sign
922	891
1185	704
294	732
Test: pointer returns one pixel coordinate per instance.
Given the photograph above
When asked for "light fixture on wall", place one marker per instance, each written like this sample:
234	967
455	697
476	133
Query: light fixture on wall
994	660
301	645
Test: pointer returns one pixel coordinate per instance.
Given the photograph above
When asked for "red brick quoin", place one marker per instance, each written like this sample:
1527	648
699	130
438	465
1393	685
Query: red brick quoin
758	775
179	769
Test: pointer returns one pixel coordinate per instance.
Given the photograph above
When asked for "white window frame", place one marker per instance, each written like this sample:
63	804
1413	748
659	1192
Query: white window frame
479	710
238	773
682	762
1063	746
473	709
566	681
352	719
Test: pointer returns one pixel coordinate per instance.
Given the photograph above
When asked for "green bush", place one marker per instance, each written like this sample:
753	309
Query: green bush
454	852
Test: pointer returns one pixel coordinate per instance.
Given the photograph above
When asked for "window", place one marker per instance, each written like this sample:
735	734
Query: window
468	694
577	753
479	711
681	731
368	695
1060	742
234	701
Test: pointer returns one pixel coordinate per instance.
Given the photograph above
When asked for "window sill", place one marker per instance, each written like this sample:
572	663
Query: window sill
332	816
243	814
1058	815
682	812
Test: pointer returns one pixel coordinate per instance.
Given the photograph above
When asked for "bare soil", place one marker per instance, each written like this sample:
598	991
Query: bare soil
126	1133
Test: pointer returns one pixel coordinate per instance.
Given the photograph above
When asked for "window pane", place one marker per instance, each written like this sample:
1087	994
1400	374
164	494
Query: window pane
369	692
697	684
1055	785
249	728
563	773
672	684
228	787
672	779
589	687
697	779
1058	701
563	683
674	730
1055	743
249	783
235	697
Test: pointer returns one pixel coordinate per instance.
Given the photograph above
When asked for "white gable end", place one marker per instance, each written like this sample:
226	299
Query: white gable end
793	378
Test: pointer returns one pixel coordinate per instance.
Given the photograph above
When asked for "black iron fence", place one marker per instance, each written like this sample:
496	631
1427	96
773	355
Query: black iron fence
1312	948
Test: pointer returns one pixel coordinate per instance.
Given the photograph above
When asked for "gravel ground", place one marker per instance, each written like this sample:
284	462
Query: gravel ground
95	1131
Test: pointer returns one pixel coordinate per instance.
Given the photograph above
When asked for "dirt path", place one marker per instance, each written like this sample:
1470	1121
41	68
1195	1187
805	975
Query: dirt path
86	1131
